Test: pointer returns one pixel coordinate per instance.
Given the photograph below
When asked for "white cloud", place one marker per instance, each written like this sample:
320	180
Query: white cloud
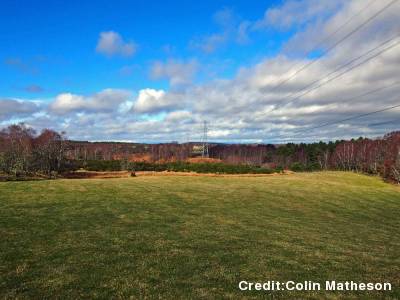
110	43
105	101
179	116
11	108
67	102
176	71
219	133
149	101
297	12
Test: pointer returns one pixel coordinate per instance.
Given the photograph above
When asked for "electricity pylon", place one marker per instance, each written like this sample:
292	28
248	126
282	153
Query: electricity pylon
205	141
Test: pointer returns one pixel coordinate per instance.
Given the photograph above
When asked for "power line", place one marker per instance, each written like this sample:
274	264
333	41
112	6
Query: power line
343	120
337	43
384	123
348	70
322	41
354	117
343	66
348	63
373	91
345	71
349	118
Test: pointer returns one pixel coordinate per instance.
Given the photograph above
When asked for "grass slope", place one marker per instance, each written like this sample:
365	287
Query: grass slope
197	237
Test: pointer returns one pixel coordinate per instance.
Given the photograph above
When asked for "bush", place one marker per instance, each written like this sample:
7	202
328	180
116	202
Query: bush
118	165
220	168
298	167
102	165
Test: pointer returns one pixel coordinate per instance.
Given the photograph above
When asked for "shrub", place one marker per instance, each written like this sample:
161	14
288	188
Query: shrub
298	167
102	165
200	168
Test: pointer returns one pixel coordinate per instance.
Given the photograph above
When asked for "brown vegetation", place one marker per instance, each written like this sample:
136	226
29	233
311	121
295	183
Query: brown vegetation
196	160
96	175
124	174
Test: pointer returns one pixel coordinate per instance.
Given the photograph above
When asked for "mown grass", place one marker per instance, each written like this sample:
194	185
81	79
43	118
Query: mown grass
197	237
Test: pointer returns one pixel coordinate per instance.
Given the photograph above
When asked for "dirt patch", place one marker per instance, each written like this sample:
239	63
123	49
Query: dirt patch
97	175
125	174
166	173
203	160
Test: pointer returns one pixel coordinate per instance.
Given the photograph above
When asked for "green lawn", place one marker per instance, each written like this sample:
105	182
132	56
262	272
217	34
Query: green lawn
197	237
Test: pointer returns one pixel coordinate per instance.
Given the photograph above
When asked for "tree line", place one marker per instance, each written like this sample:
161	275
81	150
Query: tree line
380	156
23	151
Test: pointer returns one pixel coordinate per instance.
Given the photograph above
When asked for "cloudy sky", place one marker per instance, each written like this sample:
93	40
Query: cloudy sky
258	71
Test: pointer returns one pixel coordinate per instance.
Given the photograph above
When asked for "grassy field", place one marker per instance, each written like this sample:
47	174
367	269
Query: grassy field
197	237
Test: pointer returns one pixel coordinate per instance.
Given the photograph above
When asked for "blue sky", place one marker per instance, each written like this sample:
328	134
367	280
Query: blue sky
52	43
154	71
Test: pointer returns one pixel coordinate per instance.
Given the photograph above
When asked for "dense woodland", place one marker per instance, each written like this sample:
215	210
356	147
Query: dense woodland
24	152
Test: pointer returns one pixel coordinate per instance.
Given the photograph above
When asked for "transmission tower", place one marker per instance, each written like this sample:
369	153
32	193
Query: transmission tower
205	141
